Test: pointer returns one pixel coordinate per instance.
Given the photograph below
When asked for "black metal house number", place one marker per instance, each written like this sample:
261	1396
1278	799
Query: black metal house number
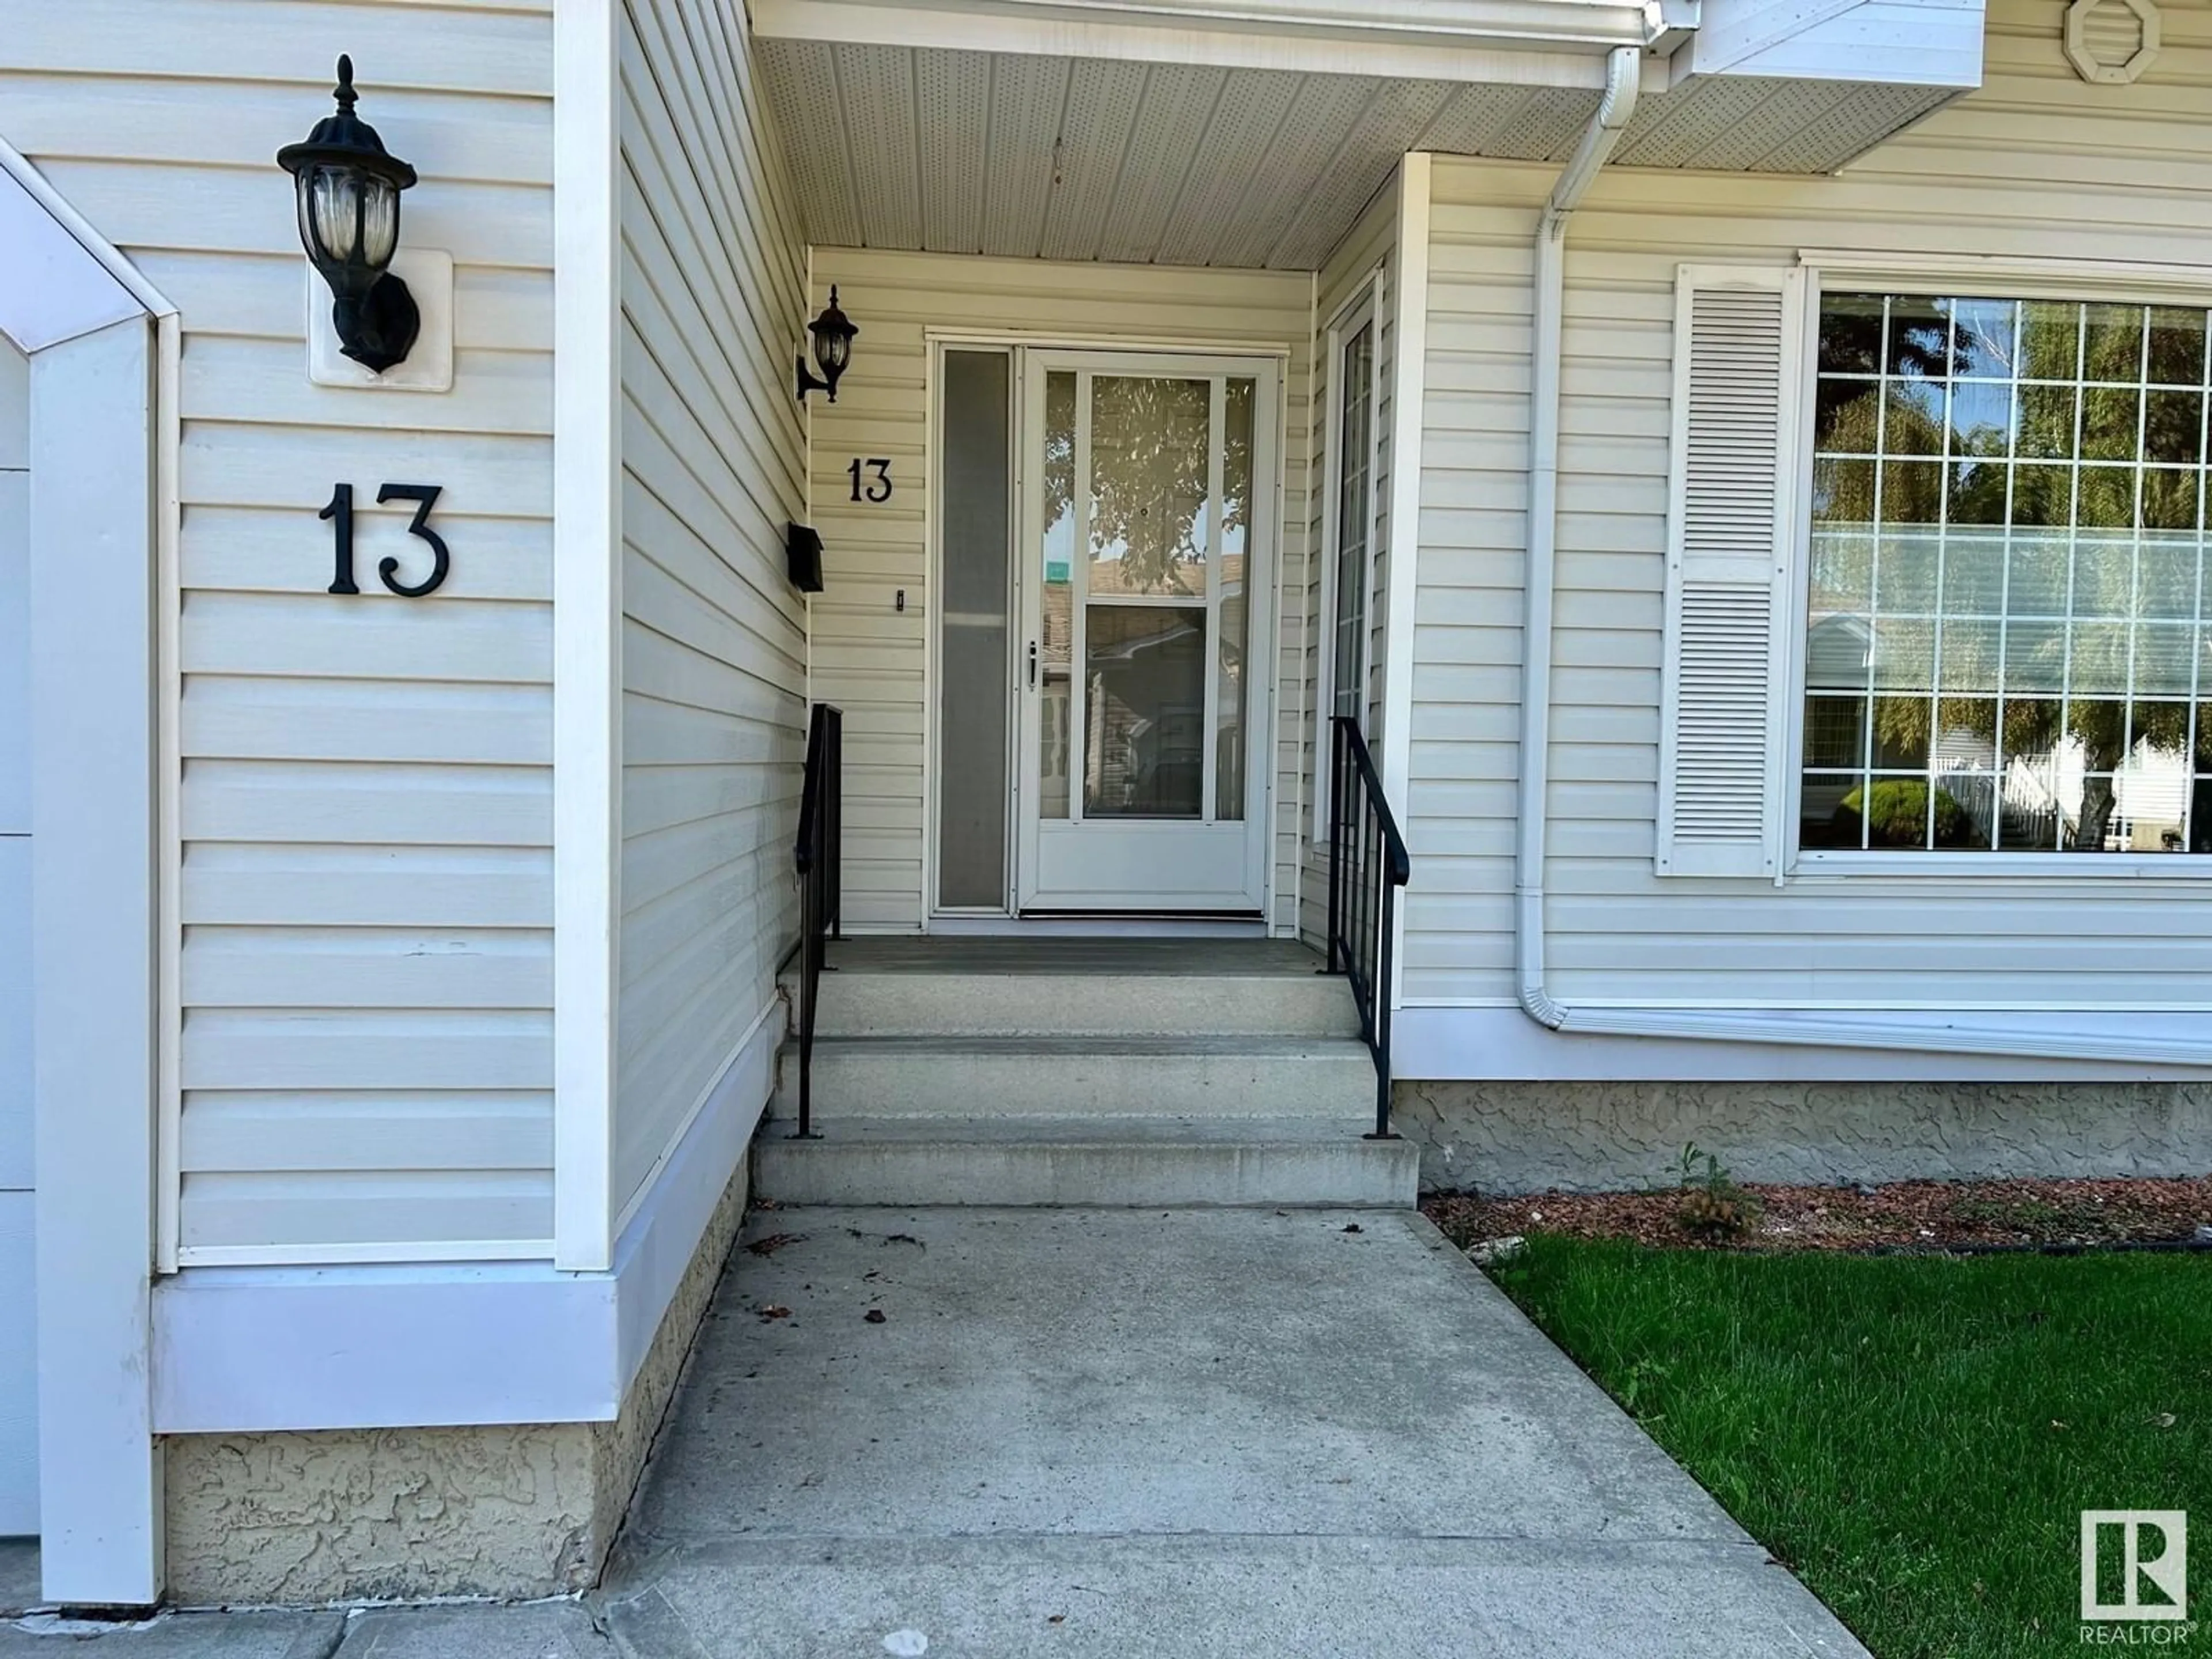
878	488
340	511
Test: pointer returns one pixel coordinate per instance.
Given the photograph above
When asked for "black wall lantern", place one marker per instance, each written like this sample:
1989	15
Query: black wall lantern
349	199
833	333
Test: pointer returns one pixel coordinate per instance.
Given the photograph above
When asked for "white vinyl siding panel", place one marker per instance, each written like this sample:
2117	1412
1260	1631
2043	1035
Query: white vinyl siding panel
713	646
869	657
2035	165
1367	259
366	785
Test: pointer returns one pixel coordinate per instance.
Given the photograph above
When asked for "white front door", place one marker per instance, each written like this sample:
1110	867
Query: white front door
19	1425
1146	562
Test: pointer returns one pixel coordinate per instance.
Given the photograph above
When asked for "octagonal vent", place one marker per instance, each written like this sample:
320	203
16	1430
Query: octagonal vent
2111	42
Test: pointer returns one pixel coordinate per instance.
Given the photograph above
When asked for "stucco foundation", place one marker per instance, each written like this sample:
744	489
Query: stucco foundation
401	1514
1593	1137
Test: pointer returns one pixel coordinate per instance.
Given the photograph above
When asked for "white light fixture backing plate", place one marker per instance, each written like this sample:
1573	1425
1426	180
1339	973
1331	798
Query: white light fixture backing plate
428	274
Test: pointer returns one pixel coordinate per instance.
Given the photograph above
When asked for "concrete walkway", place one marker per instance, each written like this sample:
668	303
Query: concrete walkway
1093	1432
1084	1433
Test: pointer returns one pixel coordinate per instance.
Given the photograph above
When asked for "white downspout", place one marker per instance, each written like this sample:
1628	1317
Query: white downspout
1953	1033
1623	74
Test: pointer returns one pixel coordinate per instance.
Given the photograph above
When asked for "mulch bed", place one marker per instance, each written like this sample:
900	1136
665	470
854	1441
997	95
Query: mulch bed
1928	1215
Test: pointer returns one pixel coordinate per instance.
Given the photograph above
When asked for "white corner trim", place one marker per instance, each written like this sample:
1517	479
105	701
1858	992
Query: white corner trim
247	1350
168	812
1409	397
586	629
94	496
103	514
1367	297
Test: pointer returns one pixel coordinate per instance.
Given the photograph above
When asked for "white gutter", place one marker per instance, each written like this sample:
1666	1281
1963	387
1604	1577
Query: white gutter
1624	70
1842	1029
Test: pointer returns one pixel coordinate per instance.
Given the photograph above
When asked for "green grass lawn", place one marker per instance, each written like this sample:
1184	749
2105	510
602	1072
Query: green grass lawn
1915	1436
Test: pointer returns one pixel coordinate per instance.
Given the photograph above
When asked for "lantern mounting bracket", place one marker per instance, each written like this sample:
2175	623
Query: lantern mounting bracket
379	329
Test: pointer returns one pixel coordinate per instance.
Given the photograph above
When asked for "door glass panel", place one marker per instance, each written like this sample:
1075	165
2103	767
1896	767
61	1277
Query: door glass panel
1234	617
1143	711
1356	448
1058	552
1149	465
972	616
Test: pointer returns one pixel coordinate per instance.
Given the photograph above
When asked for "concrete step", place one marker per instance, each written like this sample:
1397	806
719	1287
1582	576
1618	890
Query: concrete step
958	1003
1329	1079
1106	1162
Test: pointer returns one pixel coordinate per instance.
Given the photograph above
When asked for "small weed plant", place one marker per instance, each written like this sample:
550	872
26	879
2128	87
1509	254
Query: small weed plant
1712	1205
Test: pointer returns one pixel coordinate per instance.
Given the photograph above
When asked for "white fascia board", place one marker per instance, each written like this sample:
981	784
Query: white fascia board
1730	31
250	1350
1504	42
1662	1044
1919	42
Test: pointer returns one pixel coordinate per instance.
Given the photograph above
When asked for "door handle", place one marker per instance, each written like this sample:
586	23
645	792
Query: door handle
1032	664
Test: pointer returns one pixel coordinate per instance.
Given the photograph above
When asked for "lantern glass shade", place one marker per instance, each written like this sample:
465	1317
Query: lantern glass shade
334	195
379	222
350	220
833	350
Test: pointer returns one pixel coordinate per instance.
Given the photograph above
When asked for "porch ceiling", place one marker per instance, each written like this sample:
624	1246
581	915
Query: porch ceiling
1030	155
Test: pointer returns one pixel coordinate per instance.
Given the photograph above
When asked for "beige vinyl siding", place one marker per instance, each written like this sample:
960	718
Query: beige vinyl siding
714	645
869	657
366	785
1369	247
2037	164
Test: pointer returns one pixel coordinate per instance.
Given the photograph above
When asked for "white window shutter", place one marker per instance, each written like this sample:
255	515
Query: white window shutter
1731	525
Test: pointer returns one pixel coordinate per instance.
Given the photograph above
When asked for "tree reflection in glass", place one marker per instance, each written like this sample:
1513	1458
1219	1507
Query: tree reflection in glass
2005	641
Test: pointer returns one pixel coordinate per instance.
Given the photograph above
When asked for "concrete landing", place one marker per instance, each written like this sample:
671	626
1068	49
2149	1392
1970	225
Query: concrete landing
1084	1432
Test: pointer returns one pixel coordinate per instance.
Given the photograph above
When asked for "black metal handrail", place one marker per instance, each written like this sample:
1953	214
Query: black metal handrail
1367	866
821	907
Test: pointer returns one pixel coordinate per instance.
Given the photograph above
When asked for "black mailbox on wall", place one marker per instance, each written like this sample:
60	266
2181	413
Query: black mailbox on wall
802	554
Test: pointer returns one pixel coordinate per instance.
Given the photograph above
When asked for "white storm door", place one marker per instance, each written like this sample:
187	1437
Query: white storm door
1147	564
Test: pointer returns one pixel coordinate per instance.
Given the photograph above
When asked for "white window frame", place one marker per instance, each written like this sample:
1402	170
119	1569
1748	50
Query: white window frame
1363	308
2109	282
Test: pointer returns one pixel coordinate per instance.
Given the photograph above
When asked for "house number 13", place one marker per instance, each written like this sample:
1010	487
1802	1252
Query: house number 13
340	512
878	488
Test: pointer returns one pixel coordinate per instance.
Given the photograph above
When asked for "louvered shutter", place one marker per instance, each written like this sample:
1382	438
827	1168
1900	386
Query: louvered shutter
1738	350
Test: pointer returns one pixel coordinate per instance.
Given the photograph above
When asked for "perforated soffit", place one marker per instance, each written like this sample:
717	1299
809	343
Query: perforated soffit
957	152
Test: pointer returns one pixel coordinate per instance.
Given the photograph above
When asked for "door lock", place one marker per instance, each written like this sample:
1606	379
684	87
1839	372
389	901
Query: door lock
1032	664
